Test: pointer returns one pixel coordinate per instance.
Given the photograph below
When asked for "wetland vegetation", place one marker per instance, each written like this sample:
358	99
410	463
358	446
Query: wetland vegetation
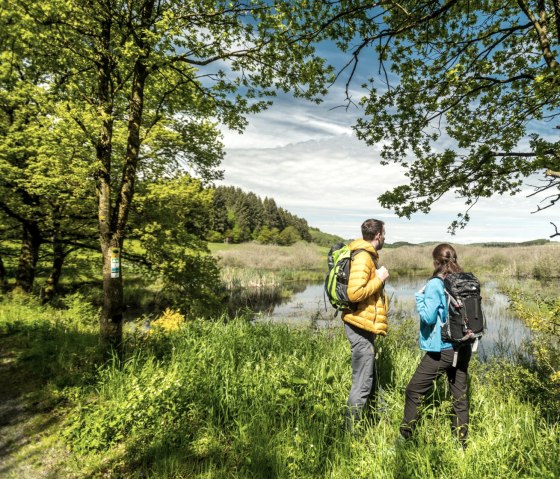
235	398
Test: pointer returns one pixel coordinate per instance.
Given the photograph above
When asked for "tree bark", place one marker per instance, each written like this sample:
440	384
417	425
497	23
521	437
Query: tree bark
29	254
51	284
3	277
110	319
112	222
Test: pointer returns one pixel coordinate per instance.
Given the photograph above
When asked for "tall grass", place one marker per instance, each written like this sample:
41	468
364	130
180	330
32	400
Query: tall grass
276	258
50	347
234	399
256	265
241	400
541	261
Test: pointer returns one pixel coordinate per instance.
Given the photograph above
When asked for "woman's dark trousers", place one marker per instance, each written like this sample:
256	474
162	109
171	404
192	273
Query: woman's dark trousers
430	368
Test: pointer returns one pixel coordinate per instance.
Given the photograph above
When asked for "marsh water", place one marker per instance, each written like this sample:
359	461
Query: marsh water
306	305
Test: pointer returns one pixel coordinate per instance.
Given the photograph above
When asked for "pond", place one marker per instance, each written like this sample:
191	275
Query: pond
308	306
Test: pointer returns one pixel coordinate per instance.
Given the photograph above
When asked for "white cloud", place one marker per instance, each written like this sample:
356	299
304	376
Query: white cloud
337	172
295	121
306	157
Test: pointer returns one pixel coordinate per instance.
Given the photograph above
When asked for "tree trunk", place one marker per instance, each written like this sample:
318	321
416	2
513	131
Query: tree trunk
3	277
51	284
111	320
112	222
29	254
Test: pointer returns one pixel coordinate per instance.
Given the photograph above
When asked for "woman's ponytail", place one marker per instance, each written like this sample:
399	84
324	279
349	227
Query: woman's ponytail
445	260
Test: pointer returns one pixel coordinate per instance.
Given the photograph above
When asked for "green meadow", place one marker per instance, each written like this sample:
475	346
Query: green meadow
228	398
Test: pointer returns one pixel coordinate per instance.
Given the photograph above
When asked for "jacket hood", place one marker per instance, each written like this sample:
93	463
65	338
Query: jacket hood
362	244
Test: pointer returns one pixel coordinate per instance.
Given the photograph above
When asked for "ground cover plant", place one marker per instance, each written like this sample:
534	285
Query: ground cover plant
219	399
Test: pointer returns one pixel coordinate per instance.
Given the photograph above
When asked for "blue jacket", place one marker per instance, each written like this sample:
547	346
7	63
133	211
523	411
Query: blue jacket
430	304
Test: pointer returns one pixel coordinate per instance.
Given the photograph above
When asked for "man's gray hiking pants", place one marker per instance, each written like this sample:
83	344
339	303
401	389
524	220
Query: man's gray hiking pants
363	360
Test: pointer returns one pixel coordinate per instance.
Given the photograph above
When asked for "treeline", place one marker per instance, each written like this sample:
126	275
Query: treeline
238	216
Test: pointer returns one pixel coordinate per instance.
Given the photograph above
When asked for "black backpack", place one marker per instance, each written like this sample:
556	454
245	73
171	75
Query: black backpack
465	322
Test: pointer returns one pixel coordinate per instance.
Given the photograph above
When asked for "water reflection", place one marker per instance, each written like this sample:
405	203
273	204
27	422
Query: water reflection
308	306
263	300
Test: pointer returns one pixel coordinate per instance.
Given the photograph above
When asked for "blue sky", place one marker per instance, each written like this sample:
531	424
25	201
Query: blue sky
307	158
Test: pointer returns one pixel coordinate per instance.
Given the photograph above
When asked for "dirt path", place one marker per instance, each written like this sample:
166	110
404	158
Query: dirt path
27	450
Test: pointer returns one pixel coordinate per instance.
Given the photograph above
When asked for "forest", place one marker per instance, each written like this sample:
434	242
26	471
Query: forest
237	216
133	283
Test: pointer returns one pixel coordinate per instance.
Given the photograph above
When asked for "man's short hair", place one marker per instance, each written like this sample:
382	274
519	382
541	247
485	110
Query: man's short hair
370	229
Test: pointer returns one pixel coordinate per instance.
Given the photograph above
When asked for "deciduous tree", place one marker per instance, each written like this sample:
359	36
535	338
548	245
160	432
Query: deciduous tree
169	221
43	162
465	95
147	81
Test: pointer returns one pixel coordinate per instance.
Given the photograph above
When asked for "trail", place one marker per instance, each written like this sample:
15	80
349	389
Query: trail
24	422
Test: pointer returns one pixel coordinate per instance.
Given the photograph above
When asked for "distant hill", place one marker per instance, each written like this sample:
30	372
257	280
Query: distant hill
399	244
489	244
504	244
238	216
324	239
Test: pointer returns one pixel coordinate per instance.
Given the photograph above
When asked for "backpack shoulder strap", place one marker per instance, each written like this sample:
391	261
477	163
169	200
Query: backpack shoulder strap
445	290
446	293
356	251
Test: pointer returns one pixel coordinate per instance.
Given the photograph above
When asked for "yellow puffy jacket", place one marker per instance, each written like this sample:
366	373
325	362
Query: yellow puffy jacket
366	289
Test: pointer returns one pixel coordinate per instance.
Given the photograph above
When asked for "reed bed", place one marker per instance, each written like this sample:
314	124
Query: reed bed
252	272
538	261
542	261
252	265
300	256
234	278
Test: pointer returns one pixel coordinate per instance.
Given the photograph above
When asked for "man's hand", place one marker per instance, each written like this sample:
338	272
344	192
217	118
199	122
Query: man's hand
382	273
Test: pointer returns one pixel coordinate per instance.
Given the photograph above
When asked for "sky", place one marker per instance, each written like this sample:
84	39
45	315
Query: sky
308	159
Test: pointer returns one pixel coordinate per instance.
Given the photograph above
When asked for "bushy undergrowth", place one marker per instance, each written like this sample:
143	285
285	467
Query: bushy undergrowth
56	344
540	311
241	400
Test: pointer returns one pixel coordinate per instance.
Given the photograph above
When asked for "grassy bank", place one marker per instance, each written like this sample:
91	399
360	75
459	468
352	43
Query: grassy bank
235	400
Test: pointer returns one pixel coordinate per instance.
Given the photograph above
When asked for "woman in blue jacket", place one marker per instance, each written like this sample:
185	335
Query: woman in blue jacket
431	304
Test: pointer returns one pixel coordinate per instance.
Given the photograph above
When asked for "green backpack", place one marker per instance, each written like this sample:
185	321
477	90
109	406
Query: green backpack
339	260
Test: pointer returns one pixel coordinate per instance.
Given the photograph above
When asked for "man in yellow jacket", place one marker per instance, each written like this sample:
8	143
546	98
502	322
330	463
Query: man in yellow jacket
365	287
